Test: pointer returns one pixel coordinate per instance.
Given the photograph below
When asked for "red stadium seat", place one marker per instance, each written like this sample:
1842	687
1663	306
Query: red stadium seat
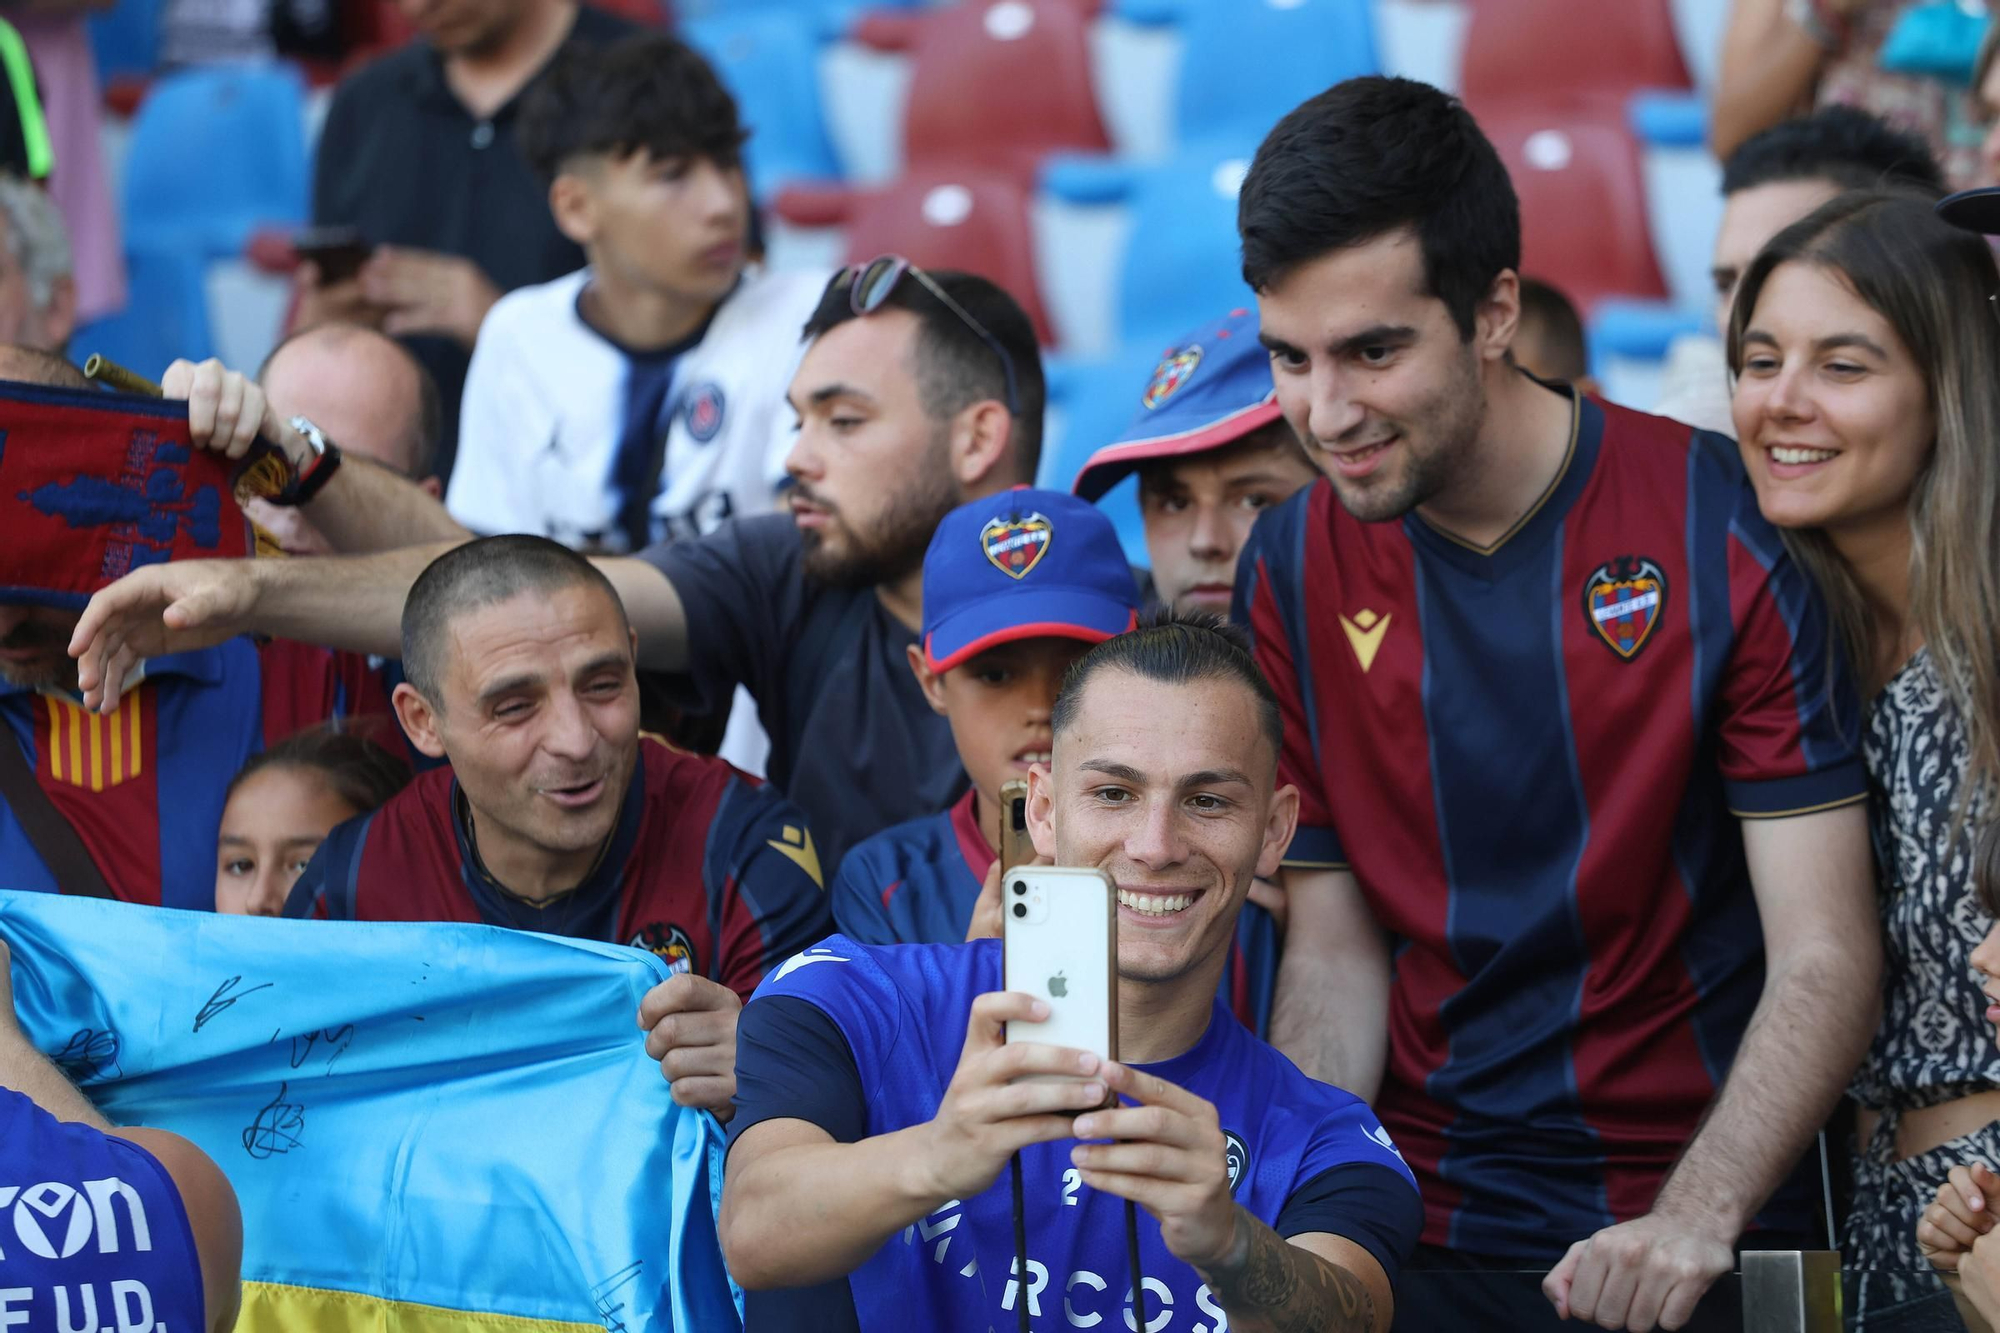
1583	199
1563	52
954	219
993	83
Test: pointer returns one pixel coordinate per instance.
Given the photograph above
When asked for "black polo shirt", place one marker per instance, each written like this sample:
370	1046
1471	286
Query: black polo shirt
403	160
854	743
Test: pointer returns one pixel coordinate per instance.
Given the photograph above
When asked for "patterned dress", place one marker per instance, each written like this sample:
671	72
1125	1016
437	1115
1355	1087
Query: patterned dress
1934	1044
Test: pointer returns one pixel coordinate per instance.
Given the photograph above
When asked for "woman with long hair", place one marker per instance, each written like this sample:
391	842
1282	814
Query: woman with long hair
1867	354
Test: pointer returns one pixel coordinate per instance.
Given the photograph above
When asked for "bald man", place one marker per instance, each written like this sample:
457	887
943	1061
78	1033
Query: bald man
363	389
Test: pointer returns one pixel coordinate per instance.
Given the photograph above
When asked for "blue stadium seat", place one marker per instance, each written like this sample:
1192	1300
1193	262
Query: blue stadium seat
216	152
769	60
1247	63
1182	260
165	316
1092	403
126	39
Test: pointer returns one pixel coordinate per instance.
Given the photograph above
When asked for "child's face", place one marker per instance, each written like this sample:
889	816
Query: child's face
998	704
1199	511
1986	960
274	822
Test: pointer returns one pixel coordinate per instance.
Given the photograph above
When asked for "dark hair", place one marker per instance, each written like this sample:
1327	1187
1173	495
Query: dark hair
1175	648
954	366
427	430
1370	156
361	773
1841	144
479	574
1544	304
646	92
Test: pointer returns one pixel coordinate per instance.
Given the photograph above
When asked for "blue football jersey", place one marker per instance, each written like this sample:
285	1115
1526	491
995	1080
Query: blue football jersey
92	1231
903	1011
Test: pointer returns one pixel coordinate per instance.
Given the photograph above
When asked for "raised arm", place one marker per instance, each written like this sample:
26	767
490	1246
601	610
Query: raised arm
1814	880
1769	67
362	508
857	1195
350	602
1331	1013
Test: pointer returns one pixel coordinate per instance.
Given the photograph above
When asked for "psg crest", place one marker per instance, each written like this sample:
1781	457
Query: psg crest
1174	370
704	411
1623	601
1016	545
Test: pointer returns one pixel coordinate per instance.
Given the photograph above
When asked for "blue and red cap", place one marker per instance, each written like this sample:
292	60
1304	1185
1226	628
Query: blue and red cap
1023	564
1210	389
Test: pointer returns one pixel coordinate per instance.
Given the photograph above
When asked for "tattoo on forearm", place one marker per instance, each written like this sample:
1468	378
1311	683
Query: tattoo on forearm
1275	1285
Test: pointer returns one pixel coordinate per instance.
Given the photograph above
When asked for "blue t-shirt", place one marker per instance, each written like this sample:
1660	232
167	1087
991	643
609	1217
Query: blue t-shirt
92	1231
1303	1156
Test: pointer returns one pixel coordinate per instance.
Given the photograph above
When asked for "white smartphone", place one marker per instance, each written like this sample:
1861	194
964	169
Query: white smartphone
1060	942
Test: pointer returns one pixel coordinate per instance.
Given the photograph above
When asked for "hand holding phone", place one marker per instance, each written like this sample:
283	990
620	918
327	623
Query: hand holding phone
1060	944
989	1111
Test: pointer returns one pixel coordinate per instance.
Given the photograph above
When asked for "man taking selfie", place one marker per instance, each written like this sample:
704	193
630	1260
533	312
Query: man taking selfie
876	1108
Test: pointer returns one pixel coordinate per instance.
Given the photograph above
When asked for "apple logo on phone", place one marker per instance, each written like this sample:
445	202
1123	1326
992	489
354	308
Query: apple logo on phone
1058	987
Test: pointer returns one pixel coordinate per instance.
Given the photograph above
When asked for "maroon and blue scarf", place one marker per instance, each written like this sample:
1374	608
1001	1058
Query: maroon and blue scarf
94	485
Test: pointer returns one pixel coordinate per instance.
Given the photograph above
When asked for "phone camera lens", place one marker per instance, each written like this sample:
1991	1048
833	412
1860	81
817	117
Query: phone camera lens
1020	909
1020	889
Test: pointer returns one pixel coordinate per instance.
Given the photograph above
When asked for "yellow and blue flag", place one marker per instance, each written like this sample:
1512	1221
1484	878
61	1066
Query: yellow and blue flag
431	1128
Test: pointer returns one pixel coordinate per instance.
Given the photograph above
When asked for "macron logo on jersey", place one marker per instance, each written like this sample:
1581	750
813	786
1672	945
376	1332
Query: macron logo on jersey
796	846
807	959
1379	1135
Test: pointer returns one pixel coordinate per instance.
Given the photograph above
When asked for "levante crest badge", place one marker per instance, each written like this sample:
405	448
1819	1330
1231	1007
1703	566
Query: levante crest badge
1016	544
1175	369
1623	601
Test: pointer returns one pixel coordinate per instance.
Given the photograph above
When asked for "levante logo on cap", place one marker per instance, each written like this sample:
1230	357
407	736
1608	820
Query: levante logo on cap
1623	601
1016	543
1174	370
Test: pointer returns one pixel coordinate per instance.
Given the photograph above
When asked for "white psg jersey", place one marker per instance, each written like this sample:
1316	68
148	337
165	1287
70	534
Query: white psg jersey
563	431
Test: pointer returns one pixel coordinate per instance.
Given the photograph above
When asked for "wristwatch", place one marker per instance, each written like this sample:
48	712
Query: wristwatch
309	479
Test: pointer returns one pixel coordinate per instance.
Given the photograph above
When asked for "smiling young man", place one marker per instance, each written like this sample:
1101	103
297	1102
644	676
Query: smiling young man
642	398
557	815
874	1082
1212	453
1582	881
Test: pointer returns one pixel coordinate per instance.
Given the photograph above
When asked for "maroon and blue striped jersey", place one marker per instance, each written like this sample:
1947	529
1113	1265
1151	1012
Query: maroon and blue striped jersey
144	785
711	869
1533	757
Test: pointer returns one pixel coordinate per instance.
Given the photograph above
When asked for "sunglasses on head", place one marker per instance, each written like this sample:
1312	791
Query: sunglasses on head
868	288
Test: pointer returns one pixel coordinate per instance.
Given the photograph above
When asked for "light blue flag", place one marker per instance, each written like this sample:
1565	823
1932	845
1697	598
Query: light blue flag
430	1127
